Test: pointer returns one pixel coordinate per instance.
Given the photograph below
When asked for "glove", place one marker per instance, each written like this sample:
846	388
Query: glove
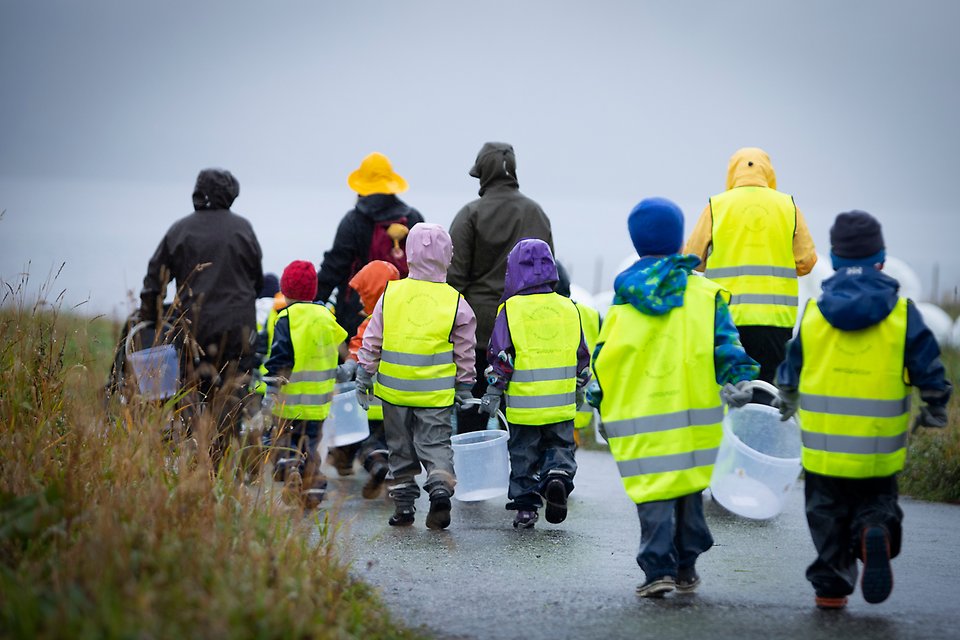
490	403
788	403
462	394
594	394
347	370
364	388
931	416
581	396
736	395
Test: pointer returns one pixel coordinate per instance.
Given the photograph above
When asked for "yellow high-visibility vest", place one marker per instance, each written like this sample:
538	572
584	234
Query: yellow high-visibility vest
854	396
315	335
752	255
261	386
416	362
661	405
590	323
545	330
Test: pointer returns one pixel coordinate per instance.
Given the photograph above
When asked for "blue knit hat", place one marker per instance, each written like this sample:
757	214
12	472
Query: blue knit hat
656	227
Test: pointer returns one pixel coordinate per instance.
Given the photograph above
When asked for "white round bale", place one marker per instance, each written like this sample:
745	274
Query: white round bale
937	320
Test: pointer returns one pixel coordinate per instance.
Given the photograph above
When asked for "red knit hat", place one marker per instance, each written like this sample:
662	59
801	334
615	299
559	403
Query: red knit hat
299	281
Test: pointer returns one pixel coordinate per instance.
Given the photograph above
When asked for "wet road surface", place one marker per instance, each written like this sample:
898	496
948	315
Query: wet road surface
483	579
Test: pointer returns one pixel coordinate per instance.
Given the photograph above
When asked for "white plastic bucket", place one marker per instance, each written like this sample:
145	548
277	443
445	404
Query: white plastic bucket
758	461
482	465
156	370
347	422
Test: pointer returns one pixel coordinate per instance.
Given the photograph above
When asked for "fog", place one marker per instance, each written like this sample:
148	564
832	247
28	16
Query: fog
109	110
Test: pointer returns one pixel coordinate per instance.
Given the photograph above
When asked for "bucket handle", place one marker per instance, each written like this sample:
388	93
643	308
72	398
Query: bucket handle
140	326
763	385
502	419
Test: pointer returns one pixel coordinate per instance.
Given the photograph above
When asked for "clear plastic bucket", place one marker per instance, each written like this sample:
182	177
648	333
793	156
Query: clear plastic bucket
347	422
482	465
157	371
758	461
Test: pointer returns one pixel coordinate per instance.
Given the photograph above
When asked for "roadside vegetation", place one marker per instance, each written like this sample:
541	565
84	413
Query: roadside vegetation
107	530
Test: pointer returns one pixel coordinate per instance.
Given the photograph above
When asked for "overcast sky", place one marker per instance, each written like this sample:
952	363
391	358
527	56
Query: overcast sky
109	109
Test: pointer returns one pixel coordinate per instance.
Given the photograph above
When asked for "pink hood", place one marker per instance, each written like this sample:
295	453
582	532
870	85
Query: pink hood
429	251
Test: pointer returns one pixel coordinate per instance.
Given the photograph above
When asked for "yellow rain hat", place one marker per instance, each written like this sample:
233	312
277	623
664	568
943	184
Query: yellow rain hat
375	175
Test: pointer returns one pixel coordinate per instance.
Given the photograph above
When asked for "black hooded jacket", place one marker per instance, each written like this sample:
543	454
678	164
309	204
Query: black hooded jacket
485	230
350	252
215	259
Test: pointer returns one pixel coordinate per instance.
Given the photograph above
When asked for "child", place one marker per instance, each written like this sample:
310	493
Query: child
304	351
666	348
420	343
369	283
539	359
847	372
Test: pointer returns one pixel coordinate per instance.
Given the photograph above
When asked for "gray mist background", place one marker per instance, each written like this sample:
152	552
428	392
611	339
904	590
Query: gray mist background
109	109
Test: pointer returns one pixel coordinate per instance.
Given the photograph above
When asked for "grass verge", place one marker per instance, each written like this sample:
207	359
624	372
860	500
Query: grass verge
108	531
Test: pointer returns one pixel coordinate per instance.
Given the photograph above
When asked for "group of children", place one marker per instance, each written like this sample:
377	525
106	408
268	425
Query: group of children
667	360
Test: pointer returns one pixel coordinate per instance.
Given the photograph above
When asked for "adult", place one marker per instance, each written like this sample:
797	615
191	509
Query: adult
753	241
375	229
215	259
483	232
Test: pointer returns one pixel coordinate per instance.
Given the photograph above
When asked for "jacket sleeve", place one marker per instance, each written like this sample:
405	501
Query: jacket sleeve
788	373
804	253
701	237
281	351
159	274
369	353
461	234
922	360
464	338
501	342
337	261
730	361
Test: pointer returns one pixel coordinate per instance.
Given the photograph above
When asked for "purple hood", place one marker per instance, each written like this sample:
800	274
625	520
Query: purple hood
429	251
530	269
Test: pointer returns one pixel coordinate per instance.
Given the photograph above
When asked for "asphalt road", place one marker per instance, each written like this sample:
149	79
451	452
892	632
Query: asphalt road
483	579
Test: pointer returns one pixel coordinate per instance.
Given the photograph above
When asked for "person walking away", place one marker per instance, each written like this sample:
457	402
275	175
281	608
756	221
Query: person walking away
306	337
215	260
540	361
849	370
369	283
483	232
420	344
590	323
668	354
754	242
375	229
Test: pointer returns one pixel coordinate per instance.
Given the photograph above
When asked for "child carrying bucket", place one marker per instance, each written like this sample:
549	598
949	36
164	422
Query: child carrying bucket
369	283
420	343
668	353
847	371
540	361
306	337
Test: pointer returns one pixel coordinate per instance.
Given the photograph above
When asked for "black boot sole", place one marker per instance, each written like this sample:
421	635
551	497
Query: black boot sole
877	581
555	495
439	515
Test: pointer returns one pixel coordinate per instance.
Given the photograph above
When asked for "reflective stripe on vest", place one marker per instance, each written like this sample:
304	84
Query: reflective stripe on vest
752	255
661	405
314	334
590	323
417	368
854	401
545	330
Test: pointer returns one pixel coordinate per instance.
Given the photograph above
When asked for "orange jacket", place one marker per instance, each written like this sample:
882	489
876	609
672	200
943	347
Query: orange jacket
369	283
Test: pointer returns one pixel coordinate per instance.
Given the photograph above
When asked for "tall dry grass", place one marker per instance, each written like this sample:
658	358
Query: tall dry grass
107	530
